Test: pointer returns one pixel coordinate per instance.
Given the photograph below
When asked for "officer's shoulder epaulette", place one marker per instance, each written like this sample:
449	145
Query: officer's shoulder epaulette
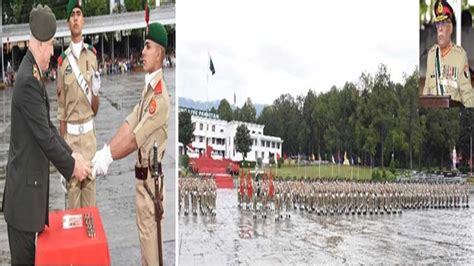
91	48
158	88
61	58
433	48
458	49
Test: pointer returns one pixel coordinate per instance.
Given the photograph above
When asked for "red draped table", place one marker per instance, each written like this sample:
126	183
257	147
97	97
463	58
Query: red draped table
72	246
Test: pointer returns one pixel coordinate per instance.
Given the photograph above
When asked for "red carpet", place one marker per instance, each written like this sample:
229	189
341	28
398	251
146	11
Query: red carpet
206	165
224	181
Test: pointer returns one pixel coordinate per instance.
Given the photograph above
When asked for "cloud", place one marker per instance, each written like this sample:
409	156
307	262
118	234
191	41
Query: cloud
262	49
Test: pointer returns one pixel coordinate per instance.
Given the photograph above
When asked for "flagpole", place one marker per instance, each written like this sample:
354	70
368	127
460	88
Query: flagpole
358	168
305	171
370	167
319	158
338	166
319	168
207	95
332	166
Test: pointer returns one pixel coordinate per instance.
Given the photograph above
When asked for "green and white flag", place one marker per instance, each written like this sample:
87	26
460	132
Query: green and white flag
211	66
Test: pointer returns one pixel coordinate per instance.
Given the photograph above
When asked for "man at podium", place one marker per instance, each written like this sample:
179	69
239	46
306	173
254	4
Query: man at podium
447	69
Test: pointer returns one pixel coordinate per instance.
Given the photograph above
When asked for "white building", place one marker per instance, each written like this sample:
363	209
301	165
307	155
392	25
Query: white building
220	134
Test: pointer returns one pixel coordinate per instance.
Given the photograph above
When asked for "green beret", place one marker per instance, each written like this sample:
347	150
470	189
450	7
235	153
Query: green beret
71	5
158	34
42	23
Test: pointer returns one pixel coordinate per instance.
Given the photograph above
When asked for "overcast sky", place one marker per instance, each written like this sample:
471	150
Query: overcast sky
262	49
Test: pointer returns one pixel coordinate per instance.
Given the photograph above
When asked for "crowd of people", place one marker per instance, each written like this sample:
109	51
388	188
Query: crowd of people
107	66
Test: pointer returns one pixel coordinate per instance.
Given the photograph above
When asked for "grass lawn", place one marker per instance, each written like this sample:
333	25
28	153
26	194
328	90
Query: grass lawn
471	180
325	171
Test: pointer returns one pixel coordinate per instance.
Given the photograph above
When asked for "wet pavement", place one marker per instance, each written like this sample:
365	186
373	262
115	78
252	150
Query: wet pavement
116	191
233	237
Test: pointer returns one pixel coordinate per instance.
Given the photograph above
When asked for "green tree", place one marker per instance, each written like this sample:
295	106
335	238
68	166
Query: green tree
185	129
287	119
237	114
96	8
224	110
410	119
134	5
441	133
382	103
184	161
308	126
467	132
267	119
242	140
348	100
393	167
248	112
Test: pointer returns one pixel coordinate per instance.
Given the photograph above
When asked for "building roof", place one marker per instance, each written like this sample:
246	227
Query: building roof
237	123
98	24
266	138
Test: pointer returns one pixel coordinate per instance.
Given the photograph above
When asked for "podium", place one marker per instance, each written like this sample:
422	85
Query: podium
72	246
432	101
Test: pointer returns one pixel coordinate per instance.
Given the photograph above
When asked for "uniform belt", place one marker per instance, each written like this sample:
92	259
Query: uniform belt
79	129
142	172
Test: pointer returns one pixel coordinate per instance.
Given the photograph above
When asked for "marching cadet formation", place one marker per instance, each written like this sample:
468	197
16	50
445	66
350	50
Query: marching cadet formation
324	197
197	194
263	195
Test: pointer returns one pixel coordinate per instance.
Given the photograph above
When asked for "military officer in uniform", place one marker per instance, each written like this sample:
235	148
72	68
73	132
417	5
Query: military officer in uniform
34	143
146	125
78	102
447	69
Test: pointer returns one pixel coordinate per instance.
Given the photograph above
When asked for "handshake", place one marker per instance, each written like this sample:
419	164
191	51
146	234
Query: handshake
100	164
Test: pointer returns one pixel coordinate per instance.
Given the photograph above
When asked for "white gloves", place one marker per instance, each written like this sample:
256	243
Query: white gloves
101	161
96	83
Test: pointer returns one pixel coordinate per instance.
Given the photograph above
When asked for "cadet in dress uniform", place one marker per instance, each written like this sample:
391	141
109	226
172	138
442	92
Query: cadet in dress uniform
78	102
145	126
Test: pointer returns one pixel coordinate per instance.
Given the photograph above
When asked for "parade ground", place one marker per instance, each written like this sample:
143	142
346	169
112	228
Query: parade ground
116	191
428	236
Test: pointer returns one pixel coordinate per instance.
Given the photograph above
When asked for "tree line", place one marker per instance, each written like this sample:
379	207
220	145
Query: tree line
17	12
372	120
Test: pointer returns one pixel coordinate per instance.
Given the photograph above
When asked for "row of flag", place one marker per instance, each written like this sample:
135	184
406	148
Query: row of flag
335	159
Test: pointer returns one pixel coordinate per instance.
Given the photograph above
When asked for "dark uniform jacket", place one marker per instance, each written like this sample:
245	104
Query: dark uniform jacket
34	142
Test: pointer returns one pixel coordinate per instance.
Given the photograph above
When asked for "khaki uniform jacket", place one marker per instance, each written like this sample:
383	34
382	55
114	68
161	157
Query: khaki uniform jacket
455	78
73	105
149	120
